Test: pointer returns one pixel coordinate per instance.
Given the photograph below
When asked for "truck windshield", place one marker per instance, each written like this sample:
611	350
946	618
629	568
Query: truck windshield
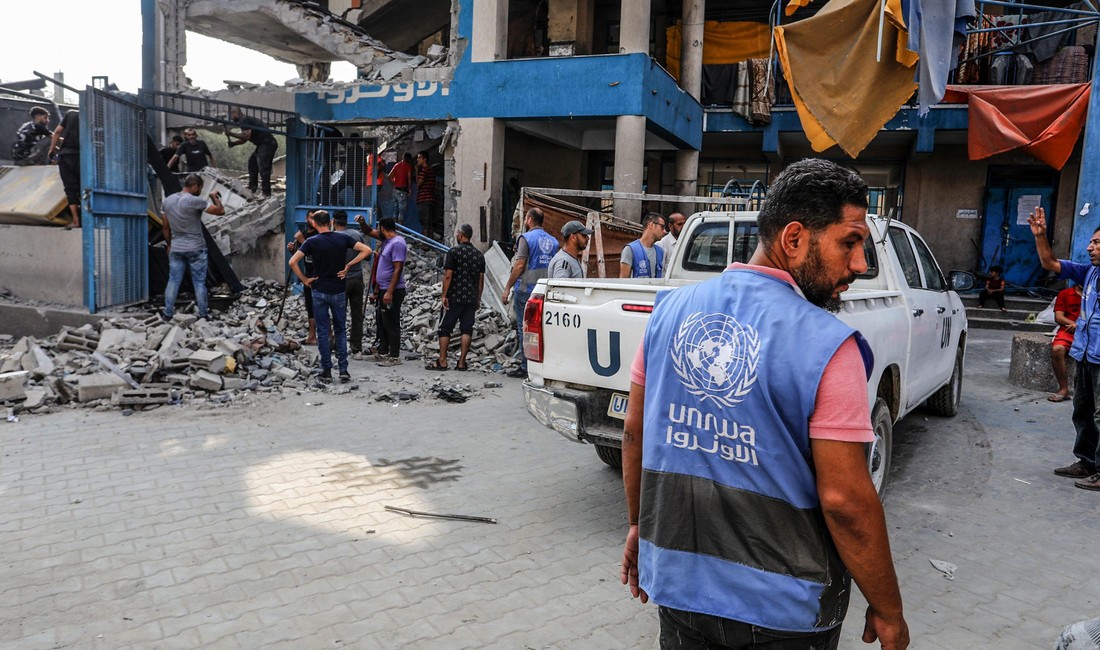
708	250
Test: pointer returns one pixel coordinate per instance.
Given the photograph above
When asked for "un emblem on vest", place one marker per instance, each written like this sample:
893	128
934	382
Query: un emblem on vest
715	357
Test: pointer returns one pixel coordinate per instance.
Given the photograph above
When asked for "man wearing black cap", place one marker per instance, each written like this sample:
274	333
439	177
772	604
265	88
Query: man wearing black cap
463	280
566	263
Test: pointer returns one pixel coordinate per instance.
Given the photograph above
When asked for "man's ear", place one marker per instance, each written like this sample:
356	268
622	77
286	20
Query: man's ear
794	238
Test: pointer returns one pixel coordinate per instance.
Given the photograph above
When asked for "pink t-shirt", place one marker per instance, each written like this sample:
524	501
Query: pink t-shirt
841	411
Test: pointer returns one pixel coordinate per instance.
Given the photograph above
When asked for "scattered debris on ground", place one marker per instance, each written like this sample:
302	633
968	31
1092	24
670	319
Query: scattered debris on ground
137	361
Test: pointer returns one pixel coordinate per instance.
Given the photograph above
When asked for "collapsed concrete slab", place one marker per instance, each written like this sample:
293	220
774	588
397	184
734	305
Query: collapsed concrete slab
98	386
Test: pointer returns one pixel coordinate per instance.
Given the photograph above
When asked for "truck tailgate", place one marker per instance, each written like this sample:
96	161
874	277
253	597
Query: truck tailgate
604	319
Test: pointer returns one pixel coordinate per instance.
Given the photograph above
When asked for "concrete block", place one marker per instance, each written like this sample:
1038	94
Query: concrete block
78	340
170	342
12	385
177	379
12	363
285	373
42	365
100	385
131	397
1030	363
211	360
112	339
206	380
35	397
234	383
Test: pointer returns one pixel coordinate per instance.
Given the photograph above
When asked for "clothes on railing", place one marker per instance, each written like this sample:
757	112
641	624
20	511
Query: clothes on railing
745	87
1069	66
724	43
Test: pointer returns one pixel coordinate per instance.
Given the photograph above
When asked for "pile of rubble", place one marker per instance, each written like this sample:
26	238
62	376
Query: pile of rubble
136	361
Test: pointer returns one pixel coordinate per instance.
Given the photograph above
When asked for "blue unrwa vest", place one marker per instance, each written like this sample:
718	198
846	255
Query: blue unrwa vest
640	267
541	247
730	521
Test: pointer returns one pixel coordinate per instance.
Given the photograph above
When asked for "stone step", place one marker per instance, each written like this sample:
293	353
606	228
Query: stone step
1024	303
995	313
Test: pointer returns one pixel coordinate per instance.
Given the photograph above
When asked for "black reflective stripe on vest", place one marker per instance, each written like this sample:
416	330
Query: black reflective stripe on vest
696	515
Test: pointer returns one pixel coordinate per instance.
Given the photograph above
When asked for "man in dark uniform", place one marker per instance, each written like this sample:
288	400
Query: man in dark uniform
259	163
169	156
68	162
23	150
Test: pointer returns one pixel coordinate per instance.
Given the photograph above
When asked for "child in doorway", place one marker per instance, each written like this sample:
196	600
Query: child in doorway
994	288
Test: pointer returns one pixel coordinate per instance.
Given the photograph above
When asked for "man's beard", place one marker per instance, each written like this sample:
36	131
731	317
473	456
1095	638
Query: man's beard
812	279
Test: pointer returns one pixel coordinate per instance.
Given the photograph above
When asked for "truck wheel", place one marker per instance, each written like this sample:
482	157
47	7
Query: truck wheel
613	456
945	401
878	451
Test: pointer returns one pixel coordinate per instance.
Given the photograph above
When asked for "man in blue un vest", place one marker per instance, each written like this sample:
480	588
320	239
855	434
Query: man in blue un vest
1085	351
748	496
643	258
534	250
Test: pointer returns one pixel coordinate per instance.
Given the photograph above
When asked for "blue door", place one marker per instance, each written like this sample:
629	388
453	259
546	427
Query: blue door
1006	237
113	214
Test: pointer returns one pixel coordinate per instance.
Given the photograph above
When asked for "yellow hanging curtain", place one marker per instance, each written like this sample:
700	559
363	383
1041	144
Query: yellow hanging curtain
723	42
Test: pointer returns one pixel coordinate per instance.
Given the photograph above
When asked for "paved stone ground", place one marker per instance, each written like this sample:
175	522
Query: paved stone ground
263	526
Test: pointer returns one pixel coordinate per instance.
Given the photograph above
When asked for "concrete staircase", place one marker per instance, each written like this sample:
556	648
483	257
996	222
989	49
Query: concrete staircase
1015	319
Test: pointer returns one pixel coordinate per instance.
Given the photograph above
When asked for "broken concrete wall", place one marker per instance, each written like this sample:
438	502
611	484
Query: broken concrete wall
44	264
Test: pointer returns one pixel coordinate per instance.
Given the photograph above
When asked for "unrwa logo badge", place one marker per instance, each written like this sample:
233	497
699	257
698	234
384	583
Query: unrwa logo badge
715	357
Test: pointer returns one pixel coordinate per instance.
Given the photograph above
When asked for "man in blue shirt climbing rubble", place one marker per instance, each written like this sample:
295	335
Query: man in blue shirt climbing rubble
749	502
1085	350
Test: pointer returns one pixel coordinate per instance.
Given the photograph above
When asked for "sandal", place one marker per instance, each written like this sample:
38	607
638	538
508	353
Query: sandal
461	367
435	365
1057	398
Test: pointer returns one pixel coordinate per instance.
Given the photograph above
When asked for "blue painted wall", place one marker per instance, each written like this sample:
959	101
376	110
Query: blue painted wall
1087	208
581	87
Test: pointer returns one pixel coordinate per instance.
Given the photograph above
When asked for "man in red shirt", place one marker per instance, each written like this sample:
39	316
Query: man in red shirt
402	177
1067	308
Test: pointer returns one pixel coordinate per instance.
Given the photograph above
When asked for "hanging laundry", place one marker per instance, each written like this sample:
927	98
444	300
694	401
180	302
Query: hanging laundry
842	94
1069	66
1044	121
763	91
1049	39
937	29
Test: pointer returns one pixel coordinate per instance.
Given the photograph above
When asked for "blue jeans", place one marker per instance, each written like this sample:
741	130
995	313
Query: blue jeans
177	264
331	308
519	301
401	204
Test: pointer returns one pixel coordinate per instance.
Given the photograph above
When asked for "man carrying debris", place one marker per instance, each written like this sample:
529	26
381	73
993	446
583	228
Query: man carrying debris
463	281
259	163
27	149
330	306
195	152
353	284
181	224
534	250
68	162
567	261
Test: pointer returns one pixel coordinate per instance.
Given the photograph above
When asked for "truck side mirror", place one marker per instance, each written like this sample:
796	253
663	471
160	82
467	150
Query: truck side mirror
963	280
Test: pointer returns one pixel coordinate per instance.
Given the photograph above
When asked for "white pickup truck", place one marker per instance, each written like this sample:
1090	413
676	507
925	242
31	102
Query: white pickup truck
580	336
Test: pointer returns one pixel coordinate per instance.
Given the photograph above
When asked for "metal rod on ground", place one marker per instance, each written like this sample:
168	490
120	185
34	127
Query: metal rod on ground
416	513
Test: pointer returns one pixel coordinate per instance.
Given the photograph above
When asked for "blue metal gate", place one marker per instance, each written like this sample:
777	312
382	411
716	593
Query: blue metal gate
115	225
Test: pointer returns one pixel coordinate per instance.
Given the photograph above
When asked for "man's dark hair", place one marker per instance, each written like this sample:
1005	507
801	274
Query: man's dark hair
407	157
536	216
812	192
340	217
467	230
996	268
192	180
38	110
387	224
320	217
652	217
177	138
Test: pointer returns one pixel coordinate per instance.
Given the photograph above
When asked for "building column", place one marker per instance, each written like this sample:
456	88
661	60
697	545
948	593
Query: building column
691	80
1087	207
630	129
477	185
629	164
489	40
